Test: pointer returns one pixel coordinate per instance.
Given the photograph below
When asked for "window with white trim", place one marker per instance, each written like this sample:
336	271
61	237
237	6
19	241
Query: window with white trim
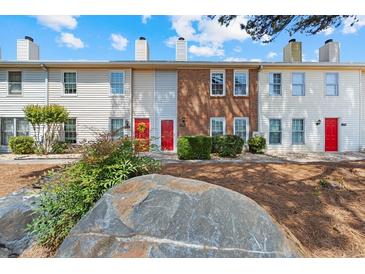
15	82
70	131
117	128
298	84
298	131
275	84
217	81
240	83
240	127
275	132
69	82
332	84
217	126
13	127
117	83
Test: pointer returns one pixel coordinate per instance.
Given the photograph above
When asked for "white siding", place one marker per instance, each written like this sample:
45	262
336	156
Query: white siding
143	97
312	107
93	105
165	101
362	115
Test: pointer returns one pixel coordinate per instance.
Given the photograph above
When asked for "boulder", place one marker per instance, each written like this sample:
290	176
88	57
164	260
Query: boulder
165	216
16	212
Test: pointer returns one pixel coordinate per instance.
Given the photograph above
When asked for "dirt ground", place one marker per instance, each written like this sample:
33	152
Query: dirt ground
321	204
15	176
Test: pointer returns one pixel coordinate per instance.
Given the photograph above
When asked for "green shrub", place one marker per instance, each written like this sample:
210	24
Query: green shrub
257	144
21	144
73	191
227	145
59	147
194	147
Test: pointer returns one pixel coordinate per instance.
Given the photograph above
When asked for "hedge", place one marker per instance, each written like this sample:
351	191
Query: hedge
22	144
257	144
194	147
227	145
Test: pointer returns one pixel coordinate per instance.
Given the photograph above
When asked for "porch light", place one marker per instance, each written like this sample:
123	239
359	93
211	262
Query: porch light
318	122
183	122
127	124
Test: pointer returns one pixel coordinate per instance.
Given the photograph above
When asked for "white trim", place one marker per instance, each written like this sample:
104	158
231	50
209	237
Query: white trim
224	82
281	83
218	118
110	82
21	82
76	130
304	131
247	126
325	83
174	133
63	82
115	118
247	82
281	131
304	83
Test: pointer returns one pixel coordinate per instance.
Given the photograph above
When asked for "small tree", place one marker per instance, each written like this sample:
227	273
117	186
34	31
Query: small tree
46	122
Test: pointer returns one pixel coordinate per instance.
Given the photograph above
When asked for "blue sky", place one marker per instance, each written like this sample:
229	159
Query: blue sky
112	38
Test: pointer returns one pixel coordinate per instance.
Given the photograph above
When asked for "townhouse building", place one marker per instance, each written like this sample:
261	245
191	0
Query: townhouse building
317	106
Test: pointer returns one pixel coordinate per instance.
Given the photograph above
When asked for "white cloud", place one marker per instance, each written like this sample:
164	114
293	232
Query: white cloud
271	55
57	22
145	18
316	52
208	34
119	42
206	51
237	49
328	31
348	29
171	41
235	59
255	60
70	41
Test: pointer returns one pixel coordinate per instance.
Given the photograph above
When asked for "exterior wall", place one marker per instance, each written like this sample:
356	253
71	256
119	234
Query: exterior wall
144	97
312	107
362	114
165	101
93	105
197	106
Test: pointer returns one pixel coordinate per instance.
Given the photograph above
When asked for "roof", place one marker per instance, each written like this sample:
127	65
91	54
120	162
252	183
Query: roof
175	64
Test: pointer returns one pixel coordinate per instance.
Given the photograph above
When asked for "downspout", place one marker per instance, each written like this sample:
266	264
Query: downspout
45	68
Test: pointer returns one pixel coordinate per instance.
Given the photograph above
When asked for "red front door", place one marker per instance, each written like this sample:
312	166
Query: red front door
142	133
331	132
167	135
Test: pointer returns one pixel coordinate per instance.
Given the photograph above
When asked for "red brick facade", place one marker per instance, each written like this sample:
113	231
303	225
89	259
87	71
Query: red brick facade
196	106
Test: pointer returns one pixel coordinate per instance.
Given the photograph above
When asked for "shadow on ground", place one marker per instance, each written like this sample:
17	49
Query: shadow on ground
328	219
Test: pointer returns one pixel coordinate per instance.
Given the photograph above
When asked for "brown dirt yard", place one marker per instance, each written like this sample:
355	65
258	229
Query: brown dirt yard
15	176
321	204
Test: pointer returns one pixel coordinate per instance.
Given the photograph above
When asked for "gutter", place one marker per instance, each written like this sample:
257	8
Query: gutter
45	68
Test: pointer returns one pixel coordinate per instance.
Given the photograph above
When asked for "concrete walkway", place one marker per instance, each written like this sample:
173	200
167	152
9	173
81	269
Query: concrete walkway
57	159
269	157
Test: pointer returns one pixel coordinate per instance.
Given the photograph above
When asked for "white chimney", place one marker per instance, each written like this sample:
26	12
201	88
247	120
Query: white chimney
292	51
26	49
330	52
142	50
181	49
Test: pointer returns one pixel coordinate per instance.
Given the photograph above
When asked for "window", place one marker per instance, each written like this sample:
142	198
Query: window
117	126
298	84
217	126
13	127
298	131
217	84
240	127
117	83
70	131
275	84
69	82
240	83
275	132
15	82
22	127
332	84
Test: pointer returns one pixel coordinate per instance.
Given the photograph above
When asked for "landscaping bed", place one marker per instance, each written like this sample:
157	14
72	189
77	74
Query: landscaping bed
321	204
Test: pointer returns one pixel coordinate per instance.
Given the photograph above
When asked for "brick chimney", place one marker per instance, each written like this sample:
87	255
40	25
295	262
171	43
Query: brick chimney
292	52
